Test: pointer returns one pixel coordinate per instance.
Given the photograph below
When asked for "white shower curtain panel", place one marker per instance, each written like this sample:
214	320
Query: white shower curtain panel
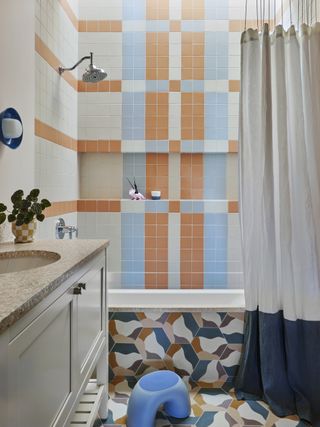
280	218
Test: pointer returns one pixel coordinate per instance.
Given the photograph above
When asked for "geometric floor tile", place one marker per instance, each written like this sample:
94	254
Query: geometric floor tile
211	407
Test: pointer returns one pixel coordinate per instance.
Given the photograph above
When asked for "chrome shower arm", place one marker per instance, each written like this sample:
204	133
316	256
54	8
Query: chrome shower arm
62	69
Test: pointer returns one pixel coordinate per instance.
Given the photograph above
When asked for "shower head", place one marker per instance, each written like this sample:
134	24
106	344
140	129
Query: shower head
92	74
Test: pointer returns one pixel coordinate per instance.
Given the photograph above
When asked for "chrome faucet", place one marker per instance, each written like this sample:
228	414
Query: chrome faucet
62	229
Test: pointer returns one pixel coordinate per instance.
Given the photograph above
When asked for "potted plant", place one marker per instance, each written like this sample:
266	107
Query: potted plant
25	212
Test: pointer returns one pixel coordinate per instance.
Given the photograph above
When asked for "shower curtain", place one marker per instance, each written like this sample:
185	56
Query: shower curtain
280	219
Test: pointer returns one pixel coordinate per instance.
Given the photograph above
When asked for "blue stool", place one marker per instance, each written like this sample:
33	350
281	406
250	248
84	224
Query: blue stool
153	390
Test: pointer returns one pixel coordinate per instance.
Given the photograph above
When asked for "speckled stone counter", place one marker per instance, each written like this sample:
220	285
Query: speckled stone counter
21	291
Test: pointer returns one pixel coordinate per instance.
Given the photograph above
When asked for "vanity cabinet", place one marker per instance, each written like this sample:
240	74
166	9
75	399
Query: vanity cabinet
52	352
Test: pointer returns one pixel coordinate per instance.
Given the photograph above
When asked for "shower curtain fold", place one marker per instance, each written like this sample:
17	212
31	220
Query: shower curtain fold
280	219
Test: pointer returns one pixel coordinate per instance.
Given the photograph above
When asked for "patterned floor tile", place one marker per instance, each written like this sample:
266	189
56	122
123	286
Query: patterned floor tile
210	408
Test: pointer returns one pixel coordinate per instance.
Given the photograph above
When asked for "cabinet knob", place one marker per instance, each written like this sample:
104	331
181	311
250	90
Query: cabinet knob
82	286
77	291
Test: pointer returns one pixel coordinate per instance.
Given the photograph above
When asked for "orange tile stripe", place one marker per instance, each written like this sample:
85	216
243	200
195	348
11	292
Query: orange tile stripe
156	250
99	146
42	130
192	116
61	208
192	56
103	26
191	252
157	174
157	56
156	116
192	9
158	9
99	205
70	13
53	61
80	86
104	86
191	171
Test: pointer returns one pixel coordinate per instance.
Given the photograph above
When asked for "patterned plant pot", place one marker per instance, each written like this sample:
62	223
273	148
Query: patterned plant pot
24	233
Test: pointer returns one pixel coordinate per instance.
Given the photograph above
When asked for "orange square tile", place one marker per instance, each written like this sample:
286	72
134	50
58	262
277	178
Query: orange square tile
233	207
116	26
186	134
174	85
162	281
174	146
234	85
150	266
233	146
174	206
162	219
82	146
92	26
104	26
102	206
175	26
115	146
114	206
91	205
162	254
81	205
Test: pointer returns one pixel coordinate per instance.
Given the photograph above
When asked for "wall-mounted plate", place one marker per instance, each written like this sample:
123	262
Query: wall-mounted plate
11	129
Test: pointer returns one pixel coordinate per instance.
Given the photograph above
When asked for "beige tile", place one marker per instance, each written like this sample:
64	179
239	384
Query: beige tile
101	175
174	176
232	176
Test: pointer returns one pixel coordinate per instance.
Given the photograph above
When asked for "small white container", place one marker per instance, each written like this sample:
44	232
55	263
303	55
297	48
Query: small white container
156	195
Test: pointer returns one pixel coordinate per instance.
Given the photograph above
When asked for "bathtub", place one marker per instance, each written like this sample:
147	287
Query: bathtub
176	299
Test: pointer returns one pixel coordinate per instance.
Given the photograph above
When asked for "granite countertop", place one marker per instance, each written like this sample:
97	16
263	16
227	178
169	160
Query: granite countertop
21	291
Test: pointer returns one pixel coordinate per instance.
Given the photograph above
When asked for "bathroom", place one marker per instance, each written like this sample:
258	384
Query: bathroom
159	122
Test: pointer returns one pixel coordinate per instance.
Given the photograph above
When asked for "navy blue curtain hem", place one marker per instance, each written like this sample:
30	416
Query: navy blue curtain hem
280	365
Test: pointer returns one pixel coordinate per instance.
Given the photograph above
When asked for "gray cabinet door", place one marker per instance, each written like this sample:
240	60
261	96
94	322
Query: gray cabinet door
40	375
90	315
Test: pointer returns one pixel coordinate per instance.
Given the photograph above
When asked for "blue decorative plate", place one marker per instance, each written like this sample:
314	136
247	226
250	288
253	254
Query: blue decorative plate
10	113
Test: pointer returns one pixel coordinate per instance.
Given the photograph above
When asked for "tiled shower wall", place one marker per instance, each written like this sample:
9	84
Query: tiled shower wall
168	117
56	118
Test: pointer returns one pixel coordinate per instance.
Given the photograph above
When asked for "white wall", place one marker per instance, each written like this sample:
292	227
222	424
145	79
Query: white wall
17	89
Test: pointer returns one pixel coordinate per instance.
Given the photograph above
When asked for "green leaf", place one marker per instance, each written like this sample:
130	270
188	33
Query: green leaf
36	208
3	217
19	222
17	196
3	207
40	217
34	193
11	218
20	217
45	203
29	217
25	204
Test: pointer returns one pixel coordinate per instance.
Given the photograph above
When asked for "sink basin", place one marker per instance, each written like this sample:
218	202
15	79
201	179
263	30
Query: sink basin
12	262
